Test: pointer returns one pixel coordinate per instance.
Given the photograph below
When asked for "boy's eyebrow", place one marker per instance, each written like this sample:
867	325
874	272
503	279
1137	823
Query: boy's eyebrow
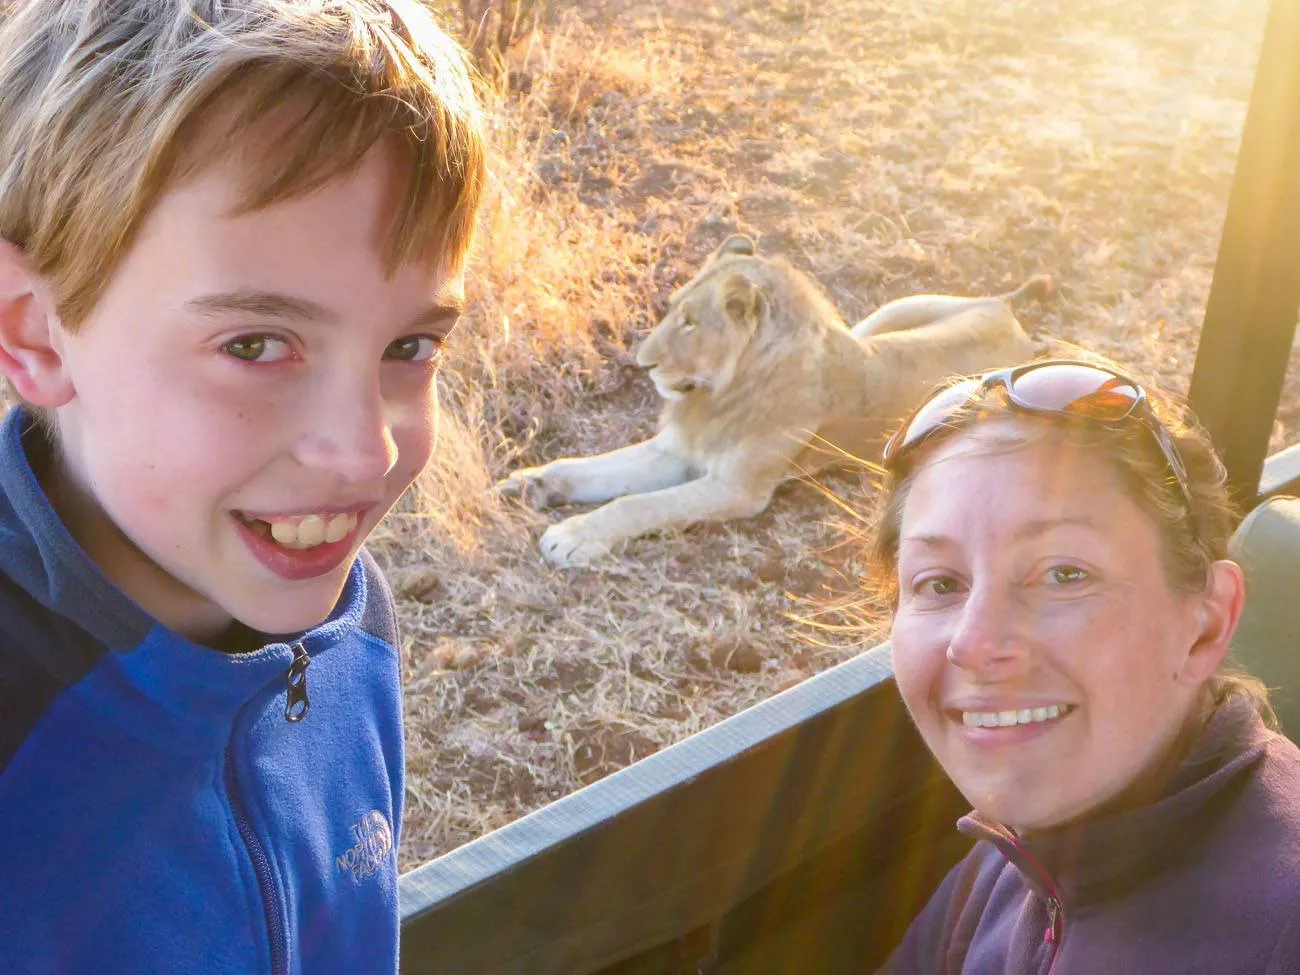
268	304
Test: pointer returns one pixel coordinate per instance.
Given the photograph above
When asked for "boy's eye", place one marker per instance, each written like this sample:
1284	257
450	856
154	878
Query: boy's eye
258	348
414	348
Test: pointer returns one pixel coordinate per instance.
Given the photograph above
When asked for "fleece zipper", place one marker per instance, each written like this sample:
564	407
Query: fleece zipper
261	868
296	708
1055	909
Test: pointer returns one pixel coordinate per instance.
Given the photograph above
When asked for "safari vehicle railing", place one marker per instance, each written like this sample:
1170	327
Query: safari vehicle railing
804	833
780	812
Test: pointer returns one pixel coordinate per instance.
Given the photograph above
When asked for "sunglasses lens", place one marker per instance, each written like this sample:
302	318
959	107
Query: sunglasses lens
1076	389
1070	388
933	414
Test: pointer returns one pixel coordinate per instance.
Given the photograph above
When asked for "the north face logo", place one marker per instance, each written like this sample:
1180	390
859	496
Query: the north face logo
374	838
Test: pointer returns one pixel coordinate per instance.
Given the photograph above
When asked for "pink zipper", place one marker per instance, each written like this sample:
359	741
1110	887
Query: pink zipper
1055	909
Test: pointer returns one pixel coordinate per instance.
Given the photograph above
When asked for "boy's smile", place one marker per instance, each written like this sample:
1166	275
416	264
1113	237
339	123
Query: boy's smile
300	546
247	400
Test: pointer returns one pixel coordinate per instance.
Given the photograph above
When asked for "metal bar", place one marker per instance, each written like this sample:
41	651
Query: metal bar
672	843
1281	473
1250	317
589	808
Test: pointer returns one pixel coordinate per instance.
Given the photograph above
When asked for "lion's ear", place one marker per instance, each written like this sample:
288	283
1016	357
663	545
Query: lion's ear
736	244
743	300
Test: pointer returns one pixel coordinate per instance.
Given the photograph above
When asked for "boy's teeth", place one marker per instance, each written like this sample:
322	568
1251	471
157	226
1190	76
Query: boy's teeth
312	530
1005	719
284	532
338	527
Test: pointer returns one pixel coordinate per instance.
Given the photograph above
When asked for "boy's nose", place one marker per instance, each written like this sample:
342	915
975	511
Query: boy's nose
350	435
989	638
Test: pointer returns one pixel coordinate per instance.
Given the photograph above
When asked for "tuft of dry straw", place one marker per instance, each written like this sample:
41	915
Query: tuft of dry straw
888	150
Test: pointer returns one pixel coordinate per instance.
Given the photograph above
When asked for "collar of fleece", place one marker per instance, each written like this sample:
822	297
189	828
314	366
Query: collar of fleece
1104	855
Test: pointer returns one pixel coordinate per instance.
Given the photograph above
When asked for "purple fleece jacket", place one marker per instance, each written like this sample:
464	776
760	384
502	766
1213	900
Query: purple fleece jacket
1205	879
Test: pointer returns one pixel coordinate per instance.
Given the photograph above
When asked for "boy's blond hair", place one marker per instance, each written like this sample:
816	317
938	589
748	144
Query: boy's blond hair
106	103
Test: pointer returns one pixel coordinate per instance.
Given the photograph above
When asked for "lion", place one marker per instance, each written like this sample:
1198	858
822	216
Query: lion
764	381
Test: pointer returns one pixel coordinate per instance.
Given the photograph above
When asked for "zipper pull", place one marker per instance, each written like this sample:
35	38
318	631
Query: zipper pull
1053	934
296	708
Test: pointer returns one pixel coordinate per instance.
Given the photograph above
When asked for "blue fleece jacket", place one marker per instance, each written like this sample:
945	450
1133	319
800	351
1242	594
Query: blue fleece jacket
1202	877
158	813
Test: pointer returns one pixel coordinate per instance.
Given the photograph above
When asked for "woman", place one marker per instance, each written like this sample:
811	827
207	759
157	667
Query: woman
1056	557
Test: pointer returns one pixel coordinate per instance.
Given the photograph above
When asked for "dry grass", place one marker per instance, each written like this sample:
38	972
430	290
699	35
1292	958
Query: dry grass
949	145
888	148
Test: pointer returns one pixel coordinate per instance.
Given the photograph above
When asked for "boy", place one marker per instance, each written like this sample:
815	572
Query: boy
231	240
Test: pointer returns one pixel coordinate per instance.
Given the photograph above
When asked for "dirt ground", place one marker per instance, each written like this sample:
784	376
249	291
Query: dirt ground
887	148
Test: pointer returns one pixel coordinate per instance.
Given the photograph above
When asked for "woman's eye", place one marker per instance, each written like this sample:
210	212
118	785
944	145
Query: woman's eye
414	348
936	586
258	348
1064	575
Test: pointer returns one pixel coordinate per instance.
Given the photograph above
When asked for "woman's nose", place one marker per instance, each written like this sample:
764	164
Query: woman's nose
989	637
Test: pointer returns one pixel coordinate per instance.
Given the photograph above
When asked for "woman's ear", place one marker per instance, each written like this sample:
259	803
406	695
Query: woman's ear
1217	617
29	352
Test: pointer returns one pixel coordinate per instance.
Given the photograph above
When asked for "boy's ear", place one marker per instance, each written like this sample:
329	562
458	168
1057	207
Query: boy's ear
29	353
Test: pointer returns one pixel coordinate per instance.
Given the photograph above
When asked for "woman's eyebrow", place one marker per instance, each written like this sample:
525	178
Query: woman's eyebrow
1037	526
1040	526
930	541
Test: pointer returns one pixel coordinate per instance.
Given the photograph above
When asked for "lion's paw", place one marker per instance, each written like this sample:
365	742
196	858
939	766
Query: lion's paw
529	485
573	542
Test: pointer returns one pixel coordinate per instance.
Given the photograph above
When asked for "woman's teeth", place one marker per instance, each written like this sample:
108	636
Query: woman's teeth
1005	719
306	532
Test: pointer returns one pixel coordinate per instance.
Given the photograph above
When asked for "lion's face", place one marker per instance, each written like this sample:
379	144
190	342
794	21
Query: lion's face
696	346
690	349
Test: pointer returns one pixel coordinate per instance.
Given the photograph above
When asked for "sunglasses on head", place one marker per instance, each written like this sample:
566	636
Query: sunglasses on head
1053	387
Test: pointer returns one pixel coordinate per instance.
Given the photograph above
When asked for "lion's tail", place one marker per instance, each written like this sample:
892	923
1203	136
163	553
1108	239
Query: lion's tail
918	311
1038	288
